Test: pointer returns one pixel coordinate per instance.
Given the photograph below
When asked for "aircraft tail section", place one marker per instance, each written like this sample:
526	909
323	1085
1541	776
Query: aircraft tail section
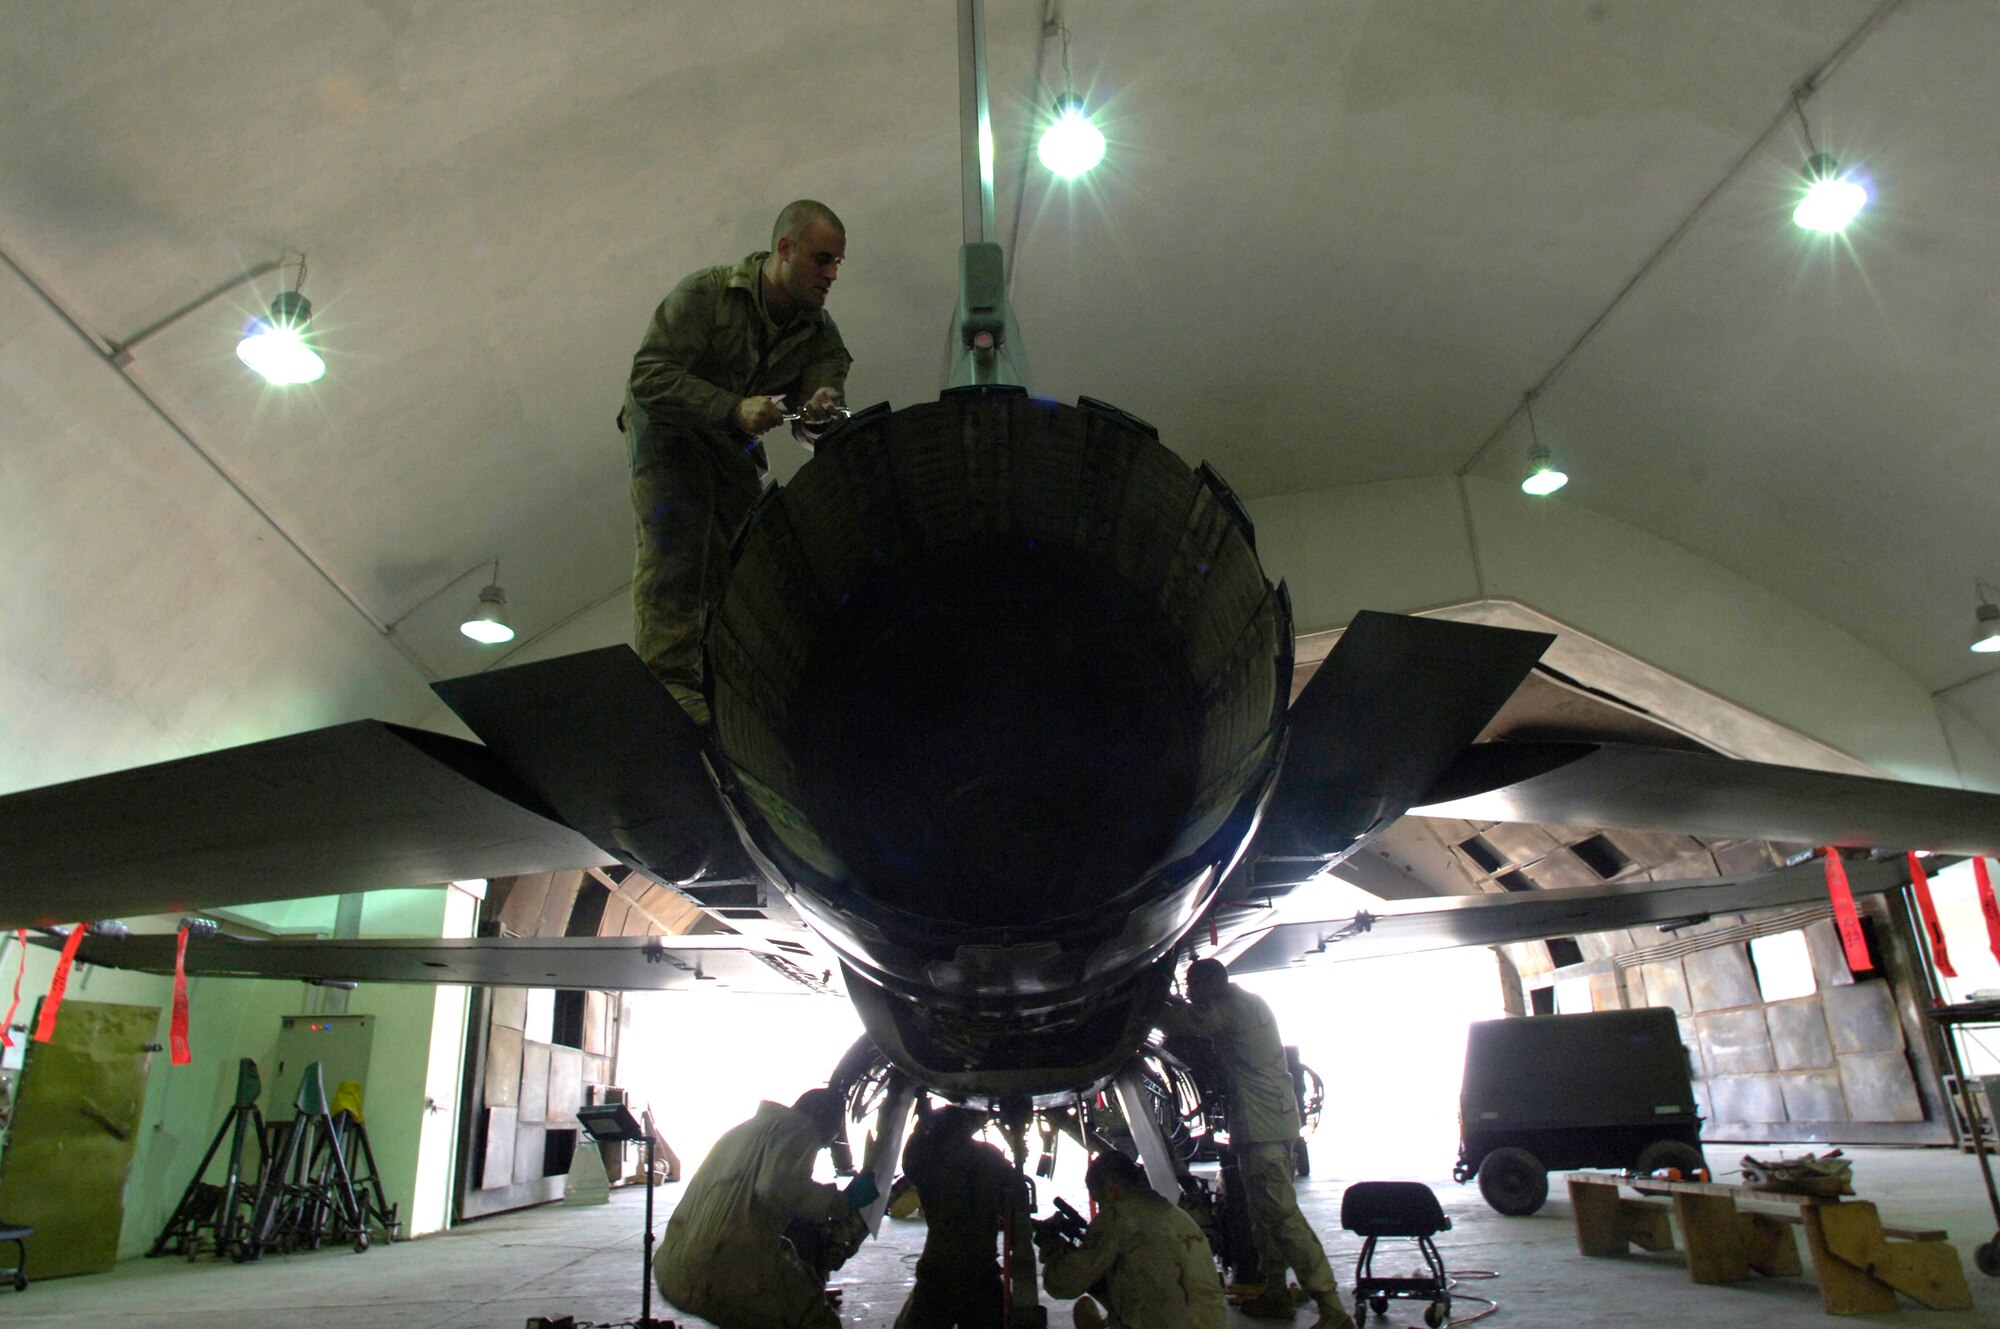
597	738
1391	710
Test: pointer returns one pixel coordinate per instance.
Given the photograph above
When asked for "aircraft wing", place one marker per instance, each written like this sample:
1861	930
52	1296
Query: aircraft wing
355	807
685	963
1380	722
1624	787
1403	927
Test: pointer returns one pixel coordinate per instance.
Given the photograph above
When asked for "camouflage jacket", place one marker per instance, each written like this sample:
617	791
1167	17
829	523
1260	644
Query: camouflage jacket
1157	1268
1263	1104
711	344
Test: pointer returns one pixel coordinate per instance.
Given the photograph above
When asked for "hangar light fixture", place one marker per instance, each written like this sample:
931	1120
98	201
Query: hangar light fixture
1832	199
278	347
488	623
1071	144
1544	477
1986	624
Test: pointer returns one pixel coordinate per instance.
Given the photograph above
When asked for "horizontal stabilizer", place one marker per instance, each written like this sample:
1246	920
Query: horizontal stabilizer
1394	705
357	807
609	964
598	738
1621	787
1402	927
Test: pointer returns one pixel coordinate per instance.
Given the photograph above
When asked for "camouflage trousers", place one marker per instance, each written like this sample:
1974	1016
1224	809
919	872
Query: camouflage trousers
1284	1238
689	503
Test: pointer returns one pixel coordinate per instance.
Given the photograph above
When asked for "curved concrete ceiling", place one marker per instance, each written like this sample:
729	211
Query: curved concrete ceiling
1332	246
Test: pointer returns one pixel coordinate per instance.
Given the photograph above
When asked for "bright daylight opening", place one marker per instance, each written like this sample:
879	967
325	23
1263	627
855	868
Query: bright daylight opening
704	1060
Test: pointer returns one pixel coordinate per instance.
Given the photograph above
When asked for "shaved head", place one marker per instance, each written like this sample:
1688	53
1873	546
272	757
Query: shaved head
798	217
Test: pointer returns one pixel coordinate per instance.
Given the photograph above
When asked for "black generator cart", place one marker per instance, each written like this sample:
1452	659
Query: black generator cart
1550	1092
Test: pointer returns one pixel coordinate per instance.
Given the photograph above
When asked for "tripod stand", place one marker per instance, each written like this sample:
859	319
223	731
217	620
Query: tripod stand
613	1123
212	1209
307	1189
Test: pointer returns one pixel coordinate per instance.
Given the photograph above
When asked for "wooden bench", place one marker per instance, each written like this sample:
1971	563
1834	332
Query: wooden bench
1731	1232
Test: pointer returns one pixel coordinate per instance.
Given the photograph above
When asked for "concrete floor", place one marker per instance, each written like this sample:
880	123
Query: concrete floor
585	1263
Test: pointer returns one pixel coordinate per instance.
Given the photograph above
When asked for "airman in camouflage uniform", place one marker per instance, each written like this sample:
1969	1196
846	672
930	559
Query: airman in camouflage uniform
1264	1131
724	1256
729	354
1141	1254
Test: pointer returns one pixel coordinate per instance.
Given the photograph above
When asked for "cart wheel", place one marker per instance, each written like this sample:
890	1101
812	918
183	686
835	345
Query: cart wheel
1360	1313
1679	1155
1987	1257
1380	1305
20	1282
360	1242
1513	1181
1437	1313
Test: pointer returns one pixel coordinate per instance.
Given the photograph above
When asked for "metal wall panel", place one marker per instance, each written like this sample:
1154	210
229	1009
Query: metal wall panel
1879	1088
1720	978
503	1067
510	1007
1798	1036
1814	1096
530	1152
1862	1018
1666	985
535	1083
1738	1043
501	1128
565	1092
1747	1098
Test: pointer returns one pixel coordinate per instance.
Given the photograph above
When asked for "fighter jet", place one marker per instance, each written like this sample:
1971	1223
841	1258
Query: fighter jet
1002	708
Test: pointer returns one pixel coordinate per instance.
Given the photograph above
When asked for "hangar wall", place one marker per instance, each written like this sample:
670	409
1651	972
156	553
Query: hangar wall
1413	545
147	613
415	1059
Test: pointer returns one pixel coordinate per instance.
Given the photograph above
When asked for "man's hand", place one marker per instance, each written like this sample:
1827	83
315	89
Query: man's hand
757	416
819	407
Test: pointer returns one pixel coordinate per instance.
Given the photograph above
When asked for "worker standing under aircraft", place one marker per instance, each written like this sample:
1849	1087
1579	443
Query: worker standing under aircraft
1264	1131
724	1256
730	354
969	1193
1142	1254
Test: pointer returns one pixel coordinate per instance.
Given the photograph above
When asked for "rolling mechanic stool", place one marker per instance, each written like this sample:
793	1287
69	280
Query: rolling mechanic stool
18	1275
1403	1209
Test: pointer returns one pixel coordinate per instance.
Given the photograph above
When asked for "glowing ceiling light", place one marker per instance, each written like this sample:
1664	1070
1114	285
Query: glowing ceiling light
277	348
1832	199
488	624
1071	144
1543	477
1986	629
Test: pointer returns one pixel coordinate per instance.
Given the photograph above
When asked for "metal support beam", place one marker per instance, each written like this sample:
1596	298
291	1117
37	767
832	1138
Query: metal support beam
885	1148
975	123
1137	1105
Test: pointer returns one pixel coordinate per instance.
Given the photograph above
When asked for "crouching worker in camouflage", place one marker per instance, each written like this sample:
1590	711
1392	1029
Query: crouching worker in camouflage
725	1256
1264	1130
730	354
1147	1260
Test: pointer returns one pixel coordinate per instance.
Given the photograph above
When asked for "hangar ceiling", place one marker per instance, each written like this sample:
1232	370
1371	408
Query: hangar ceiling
1332	245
